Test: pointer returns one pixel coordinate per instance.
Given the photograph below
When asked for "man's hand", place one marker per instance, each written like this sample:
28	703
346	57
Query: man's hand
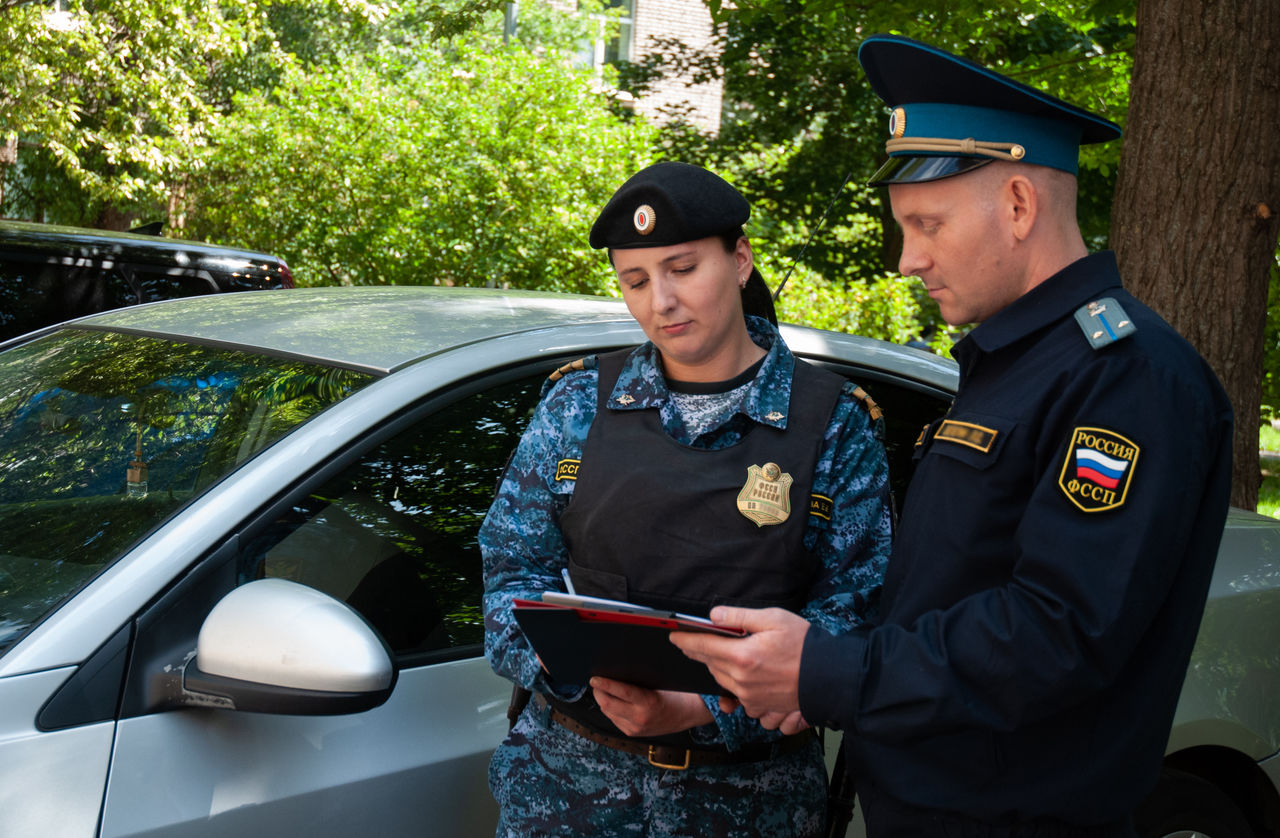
761	670
642	712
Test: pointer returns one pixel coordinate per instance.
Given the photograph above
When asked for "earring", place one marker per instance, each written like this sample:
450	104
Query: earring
742	283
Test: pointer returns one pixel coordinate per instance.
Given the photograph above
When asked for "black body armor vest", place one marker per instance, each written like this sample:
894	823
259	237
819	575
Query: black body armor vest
657	523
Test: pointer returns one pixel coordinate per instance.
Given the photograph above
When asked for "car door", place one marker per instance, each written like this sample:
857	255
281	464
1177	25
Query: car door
390	528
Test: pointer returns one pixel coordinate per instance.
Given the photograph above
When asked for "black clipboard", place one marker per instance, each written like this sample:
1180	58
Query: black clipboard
577	637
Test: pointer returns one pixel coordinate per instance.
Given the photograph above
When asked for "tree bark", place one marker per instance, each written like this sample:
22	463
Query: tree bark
1197	203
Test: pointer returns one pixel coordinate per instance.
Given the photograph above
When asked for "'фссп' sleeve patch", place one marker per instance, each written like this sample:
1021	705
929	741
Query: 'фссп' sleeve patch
1098	469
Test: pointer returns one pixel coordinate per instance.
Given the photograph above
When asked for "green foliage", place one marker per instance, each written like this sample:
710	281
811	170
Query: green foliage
113	101
473	165
1271	348
455	17
1269	442
800	117
1269	491
389	141
108	99
887	307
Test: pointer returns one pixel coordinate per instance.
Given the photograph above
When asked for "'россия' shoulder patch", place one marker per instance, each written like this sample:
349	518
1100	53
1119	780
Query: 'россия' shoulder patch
1098	469
1104	322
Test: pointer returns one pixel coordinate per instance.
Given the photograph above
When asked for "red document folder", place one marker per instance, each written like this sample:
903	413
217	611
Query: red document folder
578	637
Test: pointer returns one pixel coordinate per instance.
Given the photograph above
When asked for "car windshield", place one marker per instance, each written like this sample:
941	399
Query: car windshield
104	436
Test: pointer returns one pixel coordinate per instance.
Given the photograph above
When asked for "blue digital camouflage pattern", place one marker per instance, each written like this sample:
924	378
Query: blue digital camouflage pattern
701	412
550	781
524	553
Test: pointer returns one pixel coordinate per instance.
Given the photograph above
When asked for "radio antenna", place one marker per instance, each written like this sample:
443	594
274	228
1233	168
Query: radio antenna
821	221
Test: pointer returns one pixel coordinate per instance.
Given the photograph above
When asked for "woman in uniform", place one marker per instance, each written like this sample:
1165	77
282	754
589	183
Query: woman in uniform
629	477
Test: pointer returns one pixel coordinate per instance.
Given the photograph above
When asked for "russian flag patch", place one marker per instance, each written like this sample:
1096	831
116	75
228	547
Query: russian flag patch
1098	469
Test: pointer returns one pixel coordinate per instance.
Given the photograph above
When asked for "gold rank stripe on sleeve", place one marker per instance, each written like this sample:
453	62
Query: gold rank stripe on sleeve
821	506
967	433
567	469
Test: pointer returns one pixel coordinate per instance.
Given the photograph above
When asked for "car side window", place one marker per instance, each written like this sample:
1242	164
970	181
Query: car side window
394	534
155	282
907	408
36	292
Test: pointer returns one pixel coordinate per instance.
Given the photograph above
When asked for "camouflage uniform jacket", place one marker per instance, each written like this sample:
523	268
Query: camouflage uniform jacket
524	551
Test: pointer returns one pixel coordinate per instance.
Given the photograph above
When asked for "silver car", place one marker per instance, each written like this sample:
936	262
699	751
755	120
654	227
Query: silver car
240	588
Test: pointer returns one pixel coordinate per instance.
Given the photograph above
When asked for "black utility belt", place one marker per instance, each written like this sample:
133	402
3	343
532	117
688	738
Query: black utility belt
677	758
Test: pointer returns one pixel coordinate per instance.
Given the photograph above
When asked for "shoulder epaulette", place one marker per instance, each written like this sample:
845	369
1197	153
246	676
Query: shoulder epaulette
870	403
1104	322
588	363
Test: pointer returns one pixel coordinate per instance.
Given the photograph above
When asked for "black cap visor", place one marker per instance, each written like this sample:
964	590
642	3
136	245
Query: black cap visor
924	169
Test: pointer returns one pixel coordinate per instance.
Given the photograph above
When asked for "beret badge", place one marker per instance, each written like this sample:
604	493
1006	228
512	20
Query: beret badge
643	219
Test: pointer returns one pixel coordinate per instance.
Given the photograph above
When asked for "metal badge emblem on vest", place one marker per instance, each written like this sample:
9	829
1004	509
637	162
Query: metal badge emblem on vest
1098	469
766	496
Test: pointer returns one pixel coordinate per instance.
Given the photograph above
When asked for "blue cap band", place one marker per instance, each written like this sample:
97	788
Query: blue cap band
1044	142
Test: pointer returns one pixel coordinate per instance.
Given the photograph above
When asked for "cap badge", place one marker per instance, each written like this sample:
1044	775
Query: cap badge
898	123
644	219
766	496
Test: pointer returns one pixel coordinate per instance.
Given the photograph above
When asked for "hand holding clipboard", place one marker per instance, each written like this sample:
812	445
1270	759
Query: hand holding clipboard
577	637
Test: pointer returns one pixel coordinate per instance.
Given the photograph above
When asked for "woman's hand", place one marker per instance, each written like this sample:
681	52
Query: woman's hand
642	712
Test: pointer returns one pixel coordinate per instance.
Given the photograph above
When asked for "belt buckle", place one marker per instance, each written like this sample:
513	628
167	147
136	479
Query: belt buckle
668	766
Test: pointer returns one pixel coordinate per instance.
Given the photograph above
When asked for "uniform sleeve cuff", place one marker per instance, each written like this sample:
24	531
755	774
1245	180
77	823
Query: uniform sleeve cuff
564	692
723	729
830	672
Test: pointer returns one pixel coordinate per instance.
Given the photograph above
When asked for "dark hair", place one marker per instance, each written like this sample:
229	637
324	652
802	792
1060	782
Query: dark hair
757	299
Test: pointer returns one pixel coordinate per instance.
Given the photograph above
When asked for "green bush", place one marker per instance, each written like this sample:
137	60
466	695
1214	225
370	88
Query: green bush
1271	348
889	308
1269	492
477	165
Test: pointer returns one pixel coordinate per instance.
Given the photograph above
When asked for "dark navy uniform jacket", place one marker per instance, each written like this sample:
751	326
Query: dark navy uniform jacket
1049	573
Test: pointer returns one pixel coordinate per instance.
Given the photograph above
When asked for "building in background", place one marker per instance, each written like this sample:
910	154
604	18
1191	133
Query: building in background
640	22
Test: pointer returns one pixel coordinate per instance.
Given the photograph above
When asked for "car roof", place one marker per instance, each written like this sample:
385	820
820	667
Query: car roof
372	328
58	240
381	329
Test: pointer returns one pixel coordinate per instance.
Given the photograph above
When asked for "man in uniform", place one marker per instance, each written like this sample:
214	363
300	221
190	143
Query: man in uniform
1058	537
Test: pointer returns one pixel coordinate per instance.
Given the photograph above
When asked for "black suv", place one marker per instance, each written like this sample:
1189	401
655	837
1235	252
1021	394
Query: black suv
49	273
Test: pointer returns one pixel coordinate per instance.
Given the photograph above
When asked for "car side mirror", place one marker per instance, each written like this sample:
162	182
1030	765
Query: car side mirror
275	646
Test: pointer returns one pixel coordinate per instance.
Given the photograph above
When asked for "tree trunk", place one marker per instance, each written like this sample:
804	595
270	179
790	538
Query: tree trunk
1197	204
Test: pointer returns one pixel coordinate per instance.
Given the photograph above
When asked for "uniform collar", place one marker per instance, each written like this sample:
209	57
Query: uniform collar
641	384
1059	295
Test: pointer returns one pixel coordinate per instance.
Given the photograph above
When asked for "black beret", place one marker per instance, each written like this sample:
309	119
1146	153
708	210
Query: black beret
666	204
